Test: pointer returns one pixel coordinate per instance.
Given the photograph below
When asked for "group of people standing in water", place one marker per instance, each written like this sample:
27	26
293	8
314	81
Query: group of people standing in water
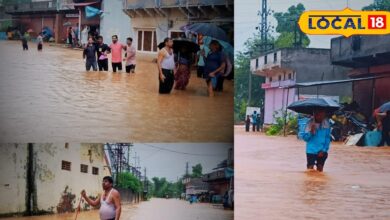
174	67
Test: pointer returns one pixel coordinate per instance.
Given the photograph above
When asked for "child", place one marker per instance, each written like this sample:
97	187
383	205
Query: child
130	56
90	55
40	42
24	41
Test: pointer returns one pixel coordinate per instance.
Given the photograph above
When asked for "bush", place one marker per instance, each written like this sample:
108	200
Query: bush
278	127
129	181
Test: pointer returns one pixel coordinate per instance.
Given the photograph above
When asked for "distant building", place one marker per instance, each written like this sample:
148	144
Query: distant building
195	186
152	21
368	56
285	67
49	177
57	15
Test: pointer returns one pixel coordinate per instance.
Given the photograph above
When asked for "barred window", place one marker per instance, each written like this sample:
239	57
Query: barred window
95	171
65	165
84	168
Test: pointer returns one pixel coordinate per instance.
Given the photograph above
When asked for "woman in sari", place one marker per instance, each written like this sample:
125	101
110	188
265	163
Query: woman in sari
183	73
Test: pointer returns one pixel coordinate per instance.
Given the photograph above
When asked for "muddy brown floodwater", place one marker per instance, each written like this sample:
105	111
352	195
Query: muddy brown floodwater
49	96
271	181
169	209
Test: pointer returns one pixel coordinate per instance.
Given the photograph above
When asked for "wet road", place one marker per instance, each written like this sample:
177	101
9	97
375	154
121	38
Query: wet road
171	209
271	181
49	96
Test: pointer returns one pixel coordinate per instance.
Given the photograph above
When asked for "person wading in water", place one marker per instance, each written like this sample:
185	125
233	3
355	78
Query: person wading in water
110	201
166	67
317	137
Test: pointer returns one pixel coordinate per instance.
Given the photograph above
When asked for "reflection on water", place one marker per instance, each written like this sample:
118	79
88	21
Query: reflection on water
272	183
48	96
170	209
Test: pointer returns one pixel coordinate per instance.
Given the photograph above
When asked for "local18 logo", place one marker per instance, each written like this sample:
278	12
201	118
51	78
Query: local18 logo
346	22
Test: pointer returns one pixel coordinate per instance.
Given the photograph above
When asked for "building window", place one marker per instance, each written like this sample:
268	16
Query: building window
275	57
65	165
289	76
177	34
147	40
280	78
257	63
270	79
265	59
84	168
66	145
95	171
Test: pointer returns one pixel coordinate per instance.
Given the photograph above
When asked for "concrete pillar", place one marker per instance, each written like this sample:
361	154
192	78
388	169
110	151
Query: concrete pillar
58	28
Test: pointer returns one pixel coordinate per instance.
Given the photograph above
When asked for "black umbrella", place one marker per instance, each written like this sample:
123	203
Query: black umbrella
208	29
385	107
179	43
308	106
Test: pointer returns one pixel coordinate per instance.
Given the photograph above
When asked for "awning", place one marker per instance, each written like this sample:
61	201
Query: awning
81	4
329	82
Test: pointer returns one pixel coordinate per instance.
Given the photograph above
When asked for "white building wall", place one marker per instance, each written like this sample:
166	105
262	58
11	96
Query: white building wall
52	181
13	158
115	21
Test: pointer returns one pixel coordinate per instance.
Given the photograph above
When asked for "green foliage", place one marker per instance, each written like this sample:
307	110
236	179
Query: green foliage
129	181
287	39
163	188
278	127
197	171
378	5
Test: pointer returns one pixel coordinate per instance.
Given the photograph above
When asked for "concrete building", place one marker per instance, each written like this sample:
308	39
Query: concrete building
285	67
115	21
40	178
152	21
57	15
367	56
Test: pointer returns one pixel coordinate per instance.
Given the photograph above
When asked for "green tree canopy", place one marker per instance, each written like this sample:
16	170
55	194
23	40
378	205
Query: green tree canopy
378	5
129	181
197	171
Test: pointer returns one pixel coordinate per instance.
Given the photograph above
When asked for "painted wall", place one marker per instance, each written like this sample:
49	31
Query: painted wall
275	100
57	190
13	158
115	21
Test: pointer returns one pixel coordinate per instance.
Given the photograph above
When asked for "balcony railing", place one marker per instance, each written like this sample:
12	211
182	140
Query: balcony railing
278	84
141	4
31	6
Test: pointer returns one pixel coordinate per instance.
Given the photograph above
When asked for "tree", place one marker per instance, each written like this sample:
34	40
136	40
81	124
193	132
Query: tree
129	181
378	5
290	34
197	171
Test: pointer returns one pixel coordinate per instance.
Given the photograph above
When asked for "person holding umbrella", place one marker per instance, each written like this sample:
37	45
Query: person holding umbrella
385	130
317	137
317	133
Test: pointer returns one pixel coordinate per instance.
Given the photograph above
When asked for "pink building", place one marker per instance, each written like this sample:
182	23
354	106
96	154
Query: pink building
284	68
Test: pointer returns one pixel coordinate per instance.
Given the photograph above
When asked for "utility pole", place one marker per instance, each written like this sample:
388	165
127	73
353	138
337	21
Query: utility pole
187	169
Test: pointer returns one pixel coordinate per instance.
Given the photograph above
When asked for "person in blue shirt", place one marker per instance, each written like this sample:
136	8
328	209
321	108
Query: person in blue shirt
254	121
317	137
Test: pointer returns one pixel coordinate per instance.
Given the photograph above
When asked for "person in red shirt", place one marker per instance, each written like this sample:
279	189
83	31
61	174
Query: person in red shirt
116	53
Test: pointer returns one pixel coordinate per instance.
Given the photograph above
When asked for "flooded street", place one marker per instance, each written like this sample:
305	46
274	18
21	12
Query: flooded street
49	96
271	181
170	209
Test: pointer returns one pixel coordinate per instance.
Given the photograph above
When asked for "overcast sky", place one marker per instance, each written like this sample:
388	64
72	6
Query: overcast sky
169	160
246	18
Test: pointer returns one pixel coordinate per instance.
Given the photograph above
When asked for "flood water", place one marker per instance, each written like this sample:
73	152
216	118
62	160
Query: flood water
170	209
271	181
49	96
